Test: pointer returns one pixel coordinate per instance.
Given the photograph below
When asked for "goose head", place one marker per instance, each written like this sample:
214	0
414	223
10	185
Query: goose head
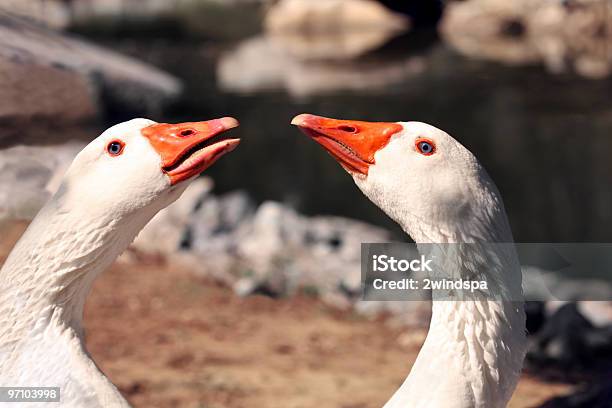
141	164
418	174
112	189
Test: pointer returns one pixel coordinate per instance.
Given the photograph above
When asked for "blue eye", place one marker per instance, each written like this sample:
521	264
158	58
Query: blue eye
115	148
425	147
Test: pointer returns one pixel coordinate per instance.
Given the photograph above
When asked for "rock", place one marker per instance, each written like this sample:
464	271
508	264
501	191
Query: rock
545	285
569	345
165	233
217	219
214	233
598	312
270	250
536	283
29	175
331	47
43	92
412	340
53	77
575	35
225	20
55	14
141	8
404	313
490	29
292	251
563	35
302	68
595	394
332	16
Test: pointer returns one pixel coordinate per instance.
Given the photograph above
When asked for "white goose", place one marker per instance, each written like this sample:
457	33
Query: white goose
439	193
114	187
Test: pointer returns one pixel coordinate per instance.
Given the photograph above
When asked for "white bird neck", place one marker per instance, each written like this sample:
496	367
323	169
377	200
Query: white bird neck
473	353
45	282
53	266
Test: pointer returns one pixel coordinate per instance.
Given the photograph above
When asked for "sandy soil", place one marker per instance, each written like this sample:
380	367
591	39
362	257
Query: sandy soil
169	339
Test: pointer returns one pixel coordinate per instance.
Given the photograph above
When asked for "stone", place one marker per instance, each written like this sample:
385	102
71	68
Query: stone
331	16
44	92
164	234
29	175
51	77
305	67
54	14
270	249
568	345
562	35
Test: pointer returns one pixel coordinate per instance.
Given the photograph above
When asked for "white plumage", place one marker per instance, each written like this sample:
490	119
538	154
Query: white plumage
438	192
104	200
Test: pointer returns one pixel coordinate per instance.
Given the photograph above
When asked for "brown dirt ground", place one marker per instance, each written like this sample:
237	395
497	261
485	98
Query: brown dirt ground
169	339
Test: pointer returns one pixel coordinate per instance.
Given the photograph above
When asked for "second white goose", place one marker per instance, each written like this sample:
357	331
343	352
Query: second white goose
438	192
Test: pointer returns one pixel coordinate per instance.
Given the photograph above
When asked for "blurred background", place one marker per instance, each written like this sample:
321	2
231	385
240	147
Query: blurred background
246	292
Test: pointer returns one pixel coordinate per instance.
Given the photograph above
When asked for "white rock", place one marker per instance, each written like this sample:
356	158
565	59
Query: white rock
287	251
598	312
412	313
50	75
273	248
55	14
304	72
86	9
563	35
331	16
163	234
552	286
28	176
216	223
336	46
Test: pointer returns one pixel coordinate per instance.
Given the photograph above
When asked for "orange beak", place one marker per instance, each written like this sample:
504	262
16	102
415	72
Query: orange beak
351	142
187	149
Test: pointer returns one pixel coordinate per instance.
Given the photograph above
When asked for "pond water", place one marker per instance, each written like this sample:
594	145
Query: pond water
545	139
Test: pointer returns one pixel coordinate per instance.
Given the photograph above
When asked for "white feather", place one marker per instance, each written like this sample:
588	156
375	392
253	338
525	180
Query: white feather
99	208
473	353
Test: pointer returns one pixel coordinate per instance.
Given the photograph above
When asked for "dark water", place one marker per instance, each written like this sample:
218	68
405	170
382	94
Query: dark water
546	140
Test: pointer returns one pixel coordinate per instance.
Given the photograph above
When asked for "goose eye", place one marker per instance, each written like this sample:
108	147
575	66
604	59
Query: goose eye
115	148
425	147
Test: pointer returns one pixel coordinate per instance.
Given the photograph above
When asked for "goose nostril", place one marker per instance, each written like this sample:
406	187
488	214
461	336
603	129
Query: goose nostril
349	129
187	132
